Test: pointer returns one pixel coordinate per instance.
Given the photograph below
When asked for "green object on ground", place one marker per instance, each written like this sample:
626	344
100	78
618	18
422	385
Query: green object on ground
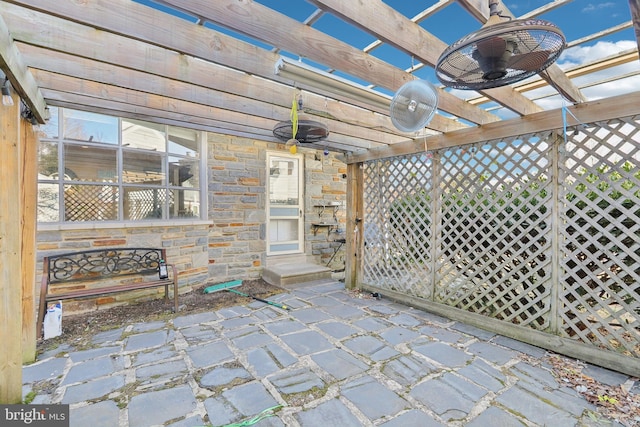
222	286
275	304
269	412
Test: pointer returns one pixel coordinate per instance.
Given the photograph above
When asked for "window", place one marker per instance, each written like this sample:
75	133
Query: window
94	167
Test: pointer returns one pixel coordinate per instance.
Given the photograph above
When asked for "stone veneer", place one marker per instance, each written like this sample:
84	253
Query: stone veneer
230	245
237	201
186	247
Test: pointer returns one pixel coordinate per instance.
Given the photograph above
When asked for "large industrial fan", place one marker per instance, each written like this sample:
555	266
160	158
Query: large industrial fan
413	105
500	53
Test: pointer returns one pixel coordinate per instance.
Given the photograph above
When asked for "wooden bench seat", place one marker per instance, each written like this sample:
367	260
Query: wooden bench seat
76	275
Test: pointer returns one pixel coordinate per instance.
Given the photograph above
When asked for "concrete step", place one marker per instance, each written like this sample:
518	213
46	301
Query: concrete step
292	274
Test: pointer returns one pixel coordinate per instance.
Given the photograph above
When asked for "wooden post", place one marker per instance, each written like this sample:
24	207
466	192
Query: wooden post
10	251
355	226
634	6
29	200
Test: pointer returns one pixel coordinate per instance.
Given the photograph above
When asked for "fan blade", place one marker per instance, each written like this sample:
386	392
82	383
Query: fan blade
460	66
531	61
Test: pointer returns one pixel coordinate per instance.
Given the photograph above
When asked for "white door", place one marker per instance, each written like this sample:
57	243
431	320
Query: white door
285	225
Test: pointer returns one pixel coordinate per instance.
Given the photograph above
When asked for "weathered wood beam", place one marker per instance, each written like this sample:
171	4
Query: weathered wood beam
16	71
90	96
286	33
603	109
86	69
441	4
383	22
166	32
83	42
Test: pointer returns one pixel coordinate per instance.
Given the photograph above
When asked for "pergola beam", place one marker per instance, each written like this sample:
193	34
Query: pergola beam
21	80
382	21
599	110
275	29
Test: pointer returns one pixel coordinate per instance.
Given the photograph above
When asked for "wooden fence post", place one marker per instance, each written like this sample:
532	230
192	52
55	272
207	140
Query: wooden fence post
29	200
10	255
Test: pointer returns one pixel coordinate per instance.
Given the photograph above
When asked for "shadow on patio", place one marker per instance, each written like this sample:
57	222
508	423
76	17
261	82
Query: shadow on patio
337	357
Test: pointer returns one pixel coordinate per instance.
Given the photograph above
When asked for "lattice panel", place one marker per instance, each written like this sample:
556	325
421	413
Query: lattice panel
494	249
600	177
146	203
90	203
397	224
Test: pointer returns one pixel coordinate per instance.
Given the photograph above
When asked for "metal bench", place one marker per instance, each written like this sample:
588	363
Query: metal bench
83	274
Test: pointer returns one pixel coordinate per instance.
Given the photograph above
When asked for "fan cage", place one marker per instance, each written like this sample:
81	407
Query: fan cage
538	44
413	106
309	131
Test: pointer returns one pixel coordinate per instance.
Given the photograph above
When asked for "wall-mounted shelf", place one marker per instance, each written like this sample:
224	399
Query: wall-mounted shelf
334	207
328	225
331	205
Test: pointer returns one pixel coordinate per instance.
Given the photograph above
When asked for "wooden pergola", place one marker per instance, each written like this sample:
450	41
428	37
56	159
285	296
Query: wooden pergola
123	58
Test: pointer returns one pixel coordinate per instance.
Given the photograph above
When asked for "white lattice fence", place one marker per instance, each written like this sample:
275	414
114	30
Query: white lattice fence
397	228
600	190
493	230
493	252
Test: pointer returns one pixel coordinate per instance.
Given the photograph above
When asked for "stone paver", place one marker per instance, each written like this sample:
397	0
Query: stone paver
158	407
332	360
93	368
307	342
298	381
101	414
269	359
372	398
371	347
444	354
93	389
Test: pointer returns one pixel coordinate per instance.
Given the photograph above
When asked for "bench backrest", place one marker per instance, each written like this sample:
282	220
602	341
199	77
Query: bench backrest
102	263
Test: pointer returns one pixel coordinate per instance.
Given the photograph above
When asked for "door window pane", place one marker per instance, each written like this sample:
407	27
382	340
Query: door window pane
283	181
283	230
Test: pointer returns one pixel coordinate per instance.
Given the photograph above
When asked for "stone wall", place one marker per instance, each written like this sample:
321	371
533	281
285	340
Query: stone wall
231	244
325	185
186	247
237	200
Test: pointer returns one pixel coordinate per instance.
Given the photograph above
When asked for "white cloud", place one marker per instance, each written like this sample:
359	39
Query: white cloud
582	54
593	8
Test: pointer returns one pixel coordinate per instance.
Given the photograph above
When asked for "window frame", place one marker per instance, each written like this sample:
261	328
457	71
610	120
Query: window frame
57	180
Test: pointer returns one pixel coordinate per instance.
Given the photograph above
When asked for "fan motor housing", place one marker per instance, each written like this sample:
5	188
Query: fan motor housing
309	131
